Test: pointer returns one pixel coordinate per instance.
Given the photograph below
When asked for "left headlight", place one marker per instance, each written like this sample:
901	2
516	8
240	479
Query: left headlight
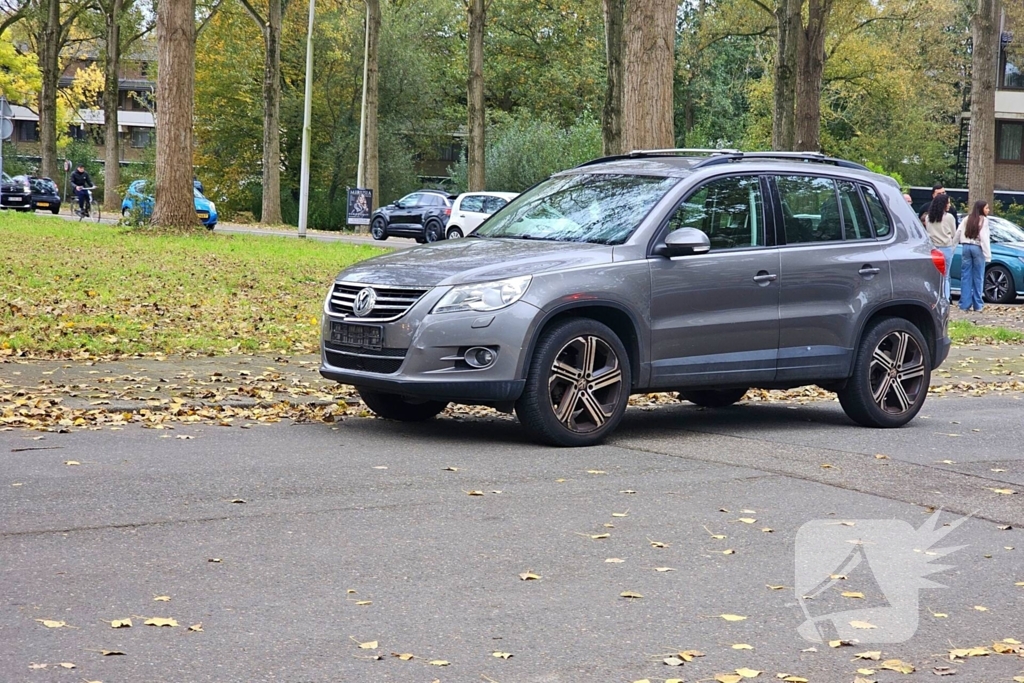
213	207
484	296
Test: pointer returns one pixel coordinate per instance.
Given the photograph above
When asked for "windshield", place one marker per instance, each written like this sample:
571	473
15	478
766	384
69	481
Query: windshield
1002	230
589	207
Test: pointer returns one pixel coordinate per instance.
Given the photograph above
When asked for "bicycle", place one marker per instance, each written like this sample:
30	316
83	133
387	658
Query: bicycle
85	211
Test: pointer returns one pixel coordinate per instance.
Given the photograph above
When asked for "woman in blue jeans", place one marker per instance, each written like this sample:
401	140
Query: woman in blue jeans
973	236
941	228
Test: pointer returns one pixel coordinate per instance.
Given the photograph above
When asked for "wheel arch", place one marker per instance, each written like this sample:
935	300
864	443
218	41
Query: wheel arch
616	316
913	312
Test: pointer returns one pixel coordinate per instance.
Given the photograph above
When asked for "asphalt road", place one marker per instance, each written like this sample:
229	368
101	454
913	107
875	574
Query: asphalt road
364	510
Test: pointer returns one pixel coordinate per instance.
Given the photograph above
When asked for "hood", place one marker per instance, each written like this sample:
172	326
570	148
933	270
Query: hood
473	260
1009	248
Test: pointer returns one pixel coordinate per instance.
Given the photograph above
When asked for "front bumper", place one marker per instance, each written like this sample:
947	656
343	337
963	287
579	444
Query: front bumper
421	351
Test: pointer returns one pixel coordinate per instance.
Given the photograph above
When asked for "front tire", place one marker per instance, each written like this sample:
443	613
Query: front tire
454	233
379	229
395	407
713	398
891	372
998	287
55	211
578	385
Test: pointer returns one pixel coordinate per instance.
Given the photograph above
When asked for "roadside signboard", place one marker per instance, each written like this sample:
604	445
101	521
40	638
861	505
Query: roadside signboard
359	202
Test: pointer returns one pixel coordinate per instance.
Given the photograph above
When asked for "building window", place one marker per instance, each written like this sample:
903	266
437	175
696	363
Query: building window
1010	142
76	132
1012	62
140	137
28	131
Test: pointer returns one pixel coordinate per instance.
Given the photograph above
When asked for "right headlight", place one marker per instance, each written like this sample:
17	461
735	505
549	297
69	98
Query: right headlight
484	296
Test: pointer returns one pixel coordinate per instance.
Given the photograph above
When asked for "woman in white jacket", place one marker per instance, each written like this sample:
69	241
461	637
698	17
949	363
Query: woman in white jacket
973	235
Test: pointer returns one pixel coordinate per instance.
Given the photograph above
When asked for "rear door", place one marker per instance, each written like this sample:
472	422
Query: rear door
471	213
833	268
715	316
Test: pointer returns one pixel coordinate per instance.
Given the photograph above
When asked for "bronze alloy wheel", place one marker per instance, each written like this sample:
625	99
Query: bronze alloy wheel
897	374
585	384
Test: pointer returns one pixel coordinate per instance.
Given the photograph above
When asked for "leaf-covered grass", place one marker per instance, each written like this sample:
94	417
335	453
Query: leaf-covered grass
965	332
68	288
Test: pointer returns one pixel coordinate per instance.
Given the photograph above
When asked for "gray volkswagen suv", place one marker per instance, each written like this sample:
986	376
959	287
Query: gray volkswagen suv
704	273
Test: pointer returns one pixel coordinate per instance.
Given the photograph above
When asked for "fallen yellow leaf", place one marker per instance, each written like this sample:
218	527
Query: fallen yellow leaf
121	623
439	662
162	598
852	594
728	678
732	617
50	623
501	655
404	656
980	608
368	645
742	646
774	588
160	621
748	673
862	624
598	537
614	560
630	594
196	628
897	665
746	520
672	661
664	569
873	654
529	576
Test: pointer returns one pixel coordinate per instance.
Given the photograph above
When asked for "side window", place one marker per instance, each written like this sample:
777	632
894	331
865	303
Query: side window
879	216
473	202
430	199
810	209
855	218
730	211
410	201
493	204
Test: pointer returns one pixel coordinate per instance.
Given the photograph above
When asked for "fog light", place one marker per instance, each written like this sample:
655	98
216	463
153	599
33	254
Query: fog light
480	357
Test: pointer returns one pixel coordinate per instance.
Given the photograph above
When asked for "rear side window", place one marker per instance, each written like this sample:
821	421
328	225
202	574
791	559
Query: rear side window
493	204
879	216
855	218
810	209
473	203
730	211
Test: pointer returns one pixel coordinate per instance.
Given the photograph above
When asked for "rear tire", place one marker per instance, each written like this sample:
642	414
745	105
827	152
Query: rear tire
713	398
578	385
891	372
395	407
432	231
998	287
454	233
379	229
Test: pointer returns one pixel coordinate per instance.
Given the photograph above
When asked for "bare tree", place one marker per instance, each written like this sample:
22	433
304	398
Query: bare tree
647	98
368	174
270	26
984	56
611	120
176	56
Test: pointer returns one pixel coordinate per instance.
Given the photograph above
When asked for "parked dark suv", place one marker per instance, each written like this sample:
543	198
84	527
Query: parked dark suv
421	215
654	271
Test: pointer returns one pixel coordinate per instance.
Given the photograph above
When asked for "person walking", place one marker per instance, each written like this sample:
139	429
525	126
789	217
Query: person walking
942	230
973	235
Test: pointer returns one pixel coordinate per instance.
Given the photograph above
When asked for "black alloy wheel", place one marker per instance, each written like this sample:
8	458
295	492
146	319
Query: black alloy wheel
578	384
998	287
432	231
379	228
890	378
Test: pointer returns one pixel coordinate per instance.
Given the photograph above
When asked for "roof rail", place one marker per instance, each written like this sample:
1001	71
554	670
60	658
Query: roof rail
806	157
640	153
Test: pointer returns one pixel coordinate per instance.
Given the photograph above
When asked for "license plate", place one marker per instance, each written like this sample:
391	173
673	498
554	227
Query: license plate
203	214
360	336
42	203
14	199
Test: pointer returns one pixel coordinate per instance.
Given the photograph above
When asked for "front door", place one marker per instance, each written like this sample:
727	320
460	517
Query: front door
832	268
715	316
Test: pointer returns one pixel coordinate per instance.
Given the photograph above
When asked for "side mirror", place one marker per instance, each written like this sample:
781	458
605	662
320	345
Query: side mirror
396	204
684	242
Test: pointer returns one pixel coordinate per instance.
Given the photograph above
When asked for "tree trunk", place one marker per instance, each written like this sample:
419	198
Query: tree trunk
981	158
611	121
647	102
271	211
789	24
369	174
810	68
49	67
475	100
112	146
176	53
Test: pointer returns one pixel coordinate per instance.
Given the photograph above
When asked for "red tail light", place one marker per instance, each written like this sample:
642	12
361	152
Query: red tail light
939	260
448	211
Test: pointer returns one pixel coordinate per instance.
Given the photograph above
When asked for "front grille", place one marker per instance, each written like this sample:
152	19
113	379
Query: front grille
385	361
392	302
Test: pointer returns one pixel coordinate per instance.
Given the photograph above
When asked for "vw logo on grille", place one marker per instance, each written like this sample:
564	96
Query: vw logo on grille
365	300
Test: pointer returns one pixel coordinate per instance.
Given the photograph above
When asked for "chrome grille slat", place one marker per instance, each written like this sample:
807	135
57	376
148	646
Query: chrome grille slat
392	302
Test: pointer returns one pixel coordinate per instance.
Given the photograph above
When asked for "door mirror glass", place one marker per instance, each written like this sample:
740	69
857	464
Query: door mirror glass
686	241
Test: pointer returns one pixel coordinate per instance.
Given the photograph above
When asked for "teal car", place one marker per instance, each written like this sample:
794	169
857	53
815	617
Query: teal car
1004	277
138	199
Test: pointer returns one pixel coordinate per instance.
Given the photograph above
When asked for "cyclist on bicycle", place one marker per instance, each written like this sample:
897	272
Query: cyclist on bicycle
81	181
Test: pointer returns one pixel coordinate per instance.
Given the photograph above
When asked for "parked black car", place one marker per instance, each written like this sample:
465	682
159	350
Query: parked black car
45	195
15	194
421	215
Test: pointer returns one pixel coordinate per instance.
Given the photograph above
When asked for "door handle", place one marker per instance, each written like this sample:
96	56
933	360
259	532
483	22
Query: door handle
869	270
764	277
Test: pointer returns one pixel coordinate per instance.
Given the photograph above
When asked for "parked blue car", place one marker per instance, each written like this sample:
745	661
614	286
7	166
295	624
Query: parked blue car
138	197
1004	277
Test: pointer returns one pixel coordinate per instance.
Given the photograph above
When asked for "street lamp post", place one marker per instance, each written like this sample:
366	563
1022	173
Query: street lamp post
306	119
